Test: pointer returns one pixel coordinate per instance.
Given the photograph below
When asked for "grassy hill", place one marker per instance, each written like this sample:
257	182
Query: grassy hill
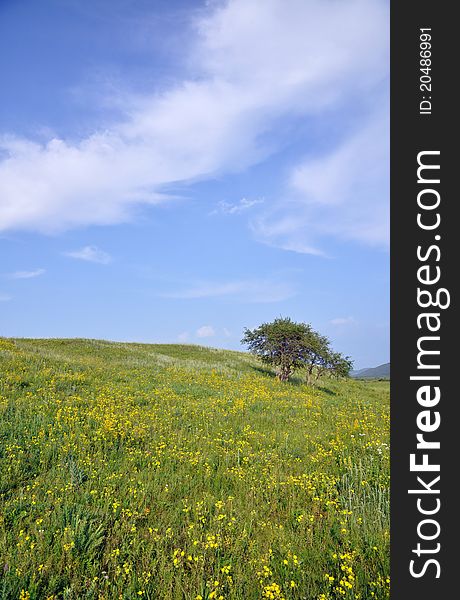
180	472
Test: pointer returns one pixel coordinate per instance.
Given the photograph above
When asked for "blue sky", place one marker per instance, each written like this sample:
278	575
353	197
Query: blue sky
174	171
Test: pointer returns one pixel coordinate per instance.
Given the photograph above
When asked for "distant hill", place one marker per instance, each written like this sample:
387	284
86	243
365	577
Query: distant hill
380	372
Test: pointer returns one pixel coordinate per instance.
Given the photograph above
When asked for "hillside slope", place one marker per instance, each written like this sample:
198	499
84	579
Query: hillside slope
380	372
172	472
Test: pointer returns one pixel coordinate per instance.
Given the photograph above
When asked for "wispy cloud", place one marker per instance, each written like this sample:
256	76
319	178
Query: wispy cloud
229	208
311	58
245	290
183	337
342	321
26	274
283	233
91	254
4	297
343	194
205	331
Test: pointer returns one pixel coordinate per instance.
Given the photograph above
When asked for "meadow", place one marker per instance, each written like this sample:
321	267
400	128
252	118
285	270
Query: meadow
167	472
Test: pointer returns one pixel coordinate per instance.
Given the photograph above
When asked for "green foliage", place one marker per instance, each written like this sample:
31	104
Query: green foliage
280	344
141	471
340	366
288	346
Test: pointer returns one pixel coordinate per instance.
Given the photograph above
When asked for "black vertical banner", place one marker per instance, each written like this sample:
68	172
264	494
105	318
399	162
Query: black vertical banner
425	362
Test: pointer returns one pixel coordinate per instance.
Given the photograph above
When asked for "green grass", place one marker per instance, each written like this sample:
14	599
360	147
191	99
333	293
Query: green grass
181	472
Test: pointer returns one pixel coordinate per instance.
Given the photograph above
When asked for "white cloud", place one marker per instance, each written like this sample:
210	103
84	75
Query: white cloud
27	274
183	337
268	290
252	63
4	297
286	234
91	254
229	208
342	194
205	331
342	321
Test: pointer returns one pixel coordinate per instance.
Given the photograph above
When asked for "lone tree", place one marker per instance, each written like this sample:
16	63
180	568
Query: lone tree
288	346
279	344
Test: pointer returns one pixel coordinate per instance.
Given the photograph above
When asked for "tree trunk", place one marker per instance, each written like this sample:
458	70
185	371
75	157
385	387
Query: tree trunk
319	373
283	373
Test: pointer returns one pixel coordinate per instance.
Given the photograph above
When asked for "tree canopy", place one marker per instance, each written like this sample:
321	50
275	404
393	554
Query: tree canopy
288	346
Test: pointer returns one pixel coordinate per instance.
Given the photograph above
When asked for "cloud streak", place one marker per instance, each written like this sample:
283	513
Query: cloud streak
27	274
342	321
91	254
253	291
342	194
252	63
236	208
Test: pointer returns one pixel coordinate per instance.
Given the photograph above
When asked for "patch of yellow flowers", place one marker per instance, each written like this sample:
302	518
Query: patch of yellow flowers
129	474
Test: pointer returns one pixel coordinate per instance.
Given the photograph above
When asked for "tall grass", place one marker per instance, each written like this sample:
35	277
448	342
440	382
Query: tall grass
179	472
